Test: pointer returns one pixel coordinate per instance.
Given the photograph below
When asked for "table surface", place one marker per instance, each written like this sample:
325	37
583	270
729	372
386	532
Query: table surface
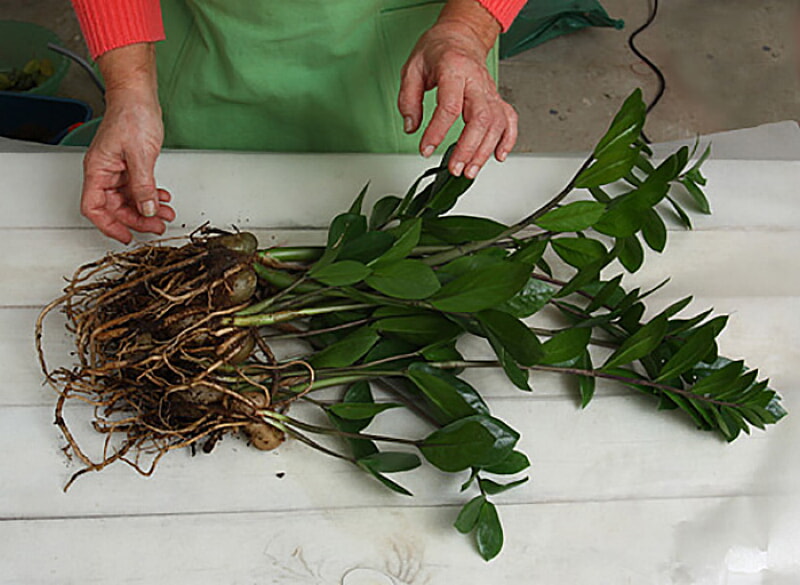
619	492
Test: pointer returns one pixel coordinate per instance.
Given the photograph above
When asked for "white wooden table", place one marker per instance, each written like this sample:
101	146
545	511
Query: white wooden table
619	493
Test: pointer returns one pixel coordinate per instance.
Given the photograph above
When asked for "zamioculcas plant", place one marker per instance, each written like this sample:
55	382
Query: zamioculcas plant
179	345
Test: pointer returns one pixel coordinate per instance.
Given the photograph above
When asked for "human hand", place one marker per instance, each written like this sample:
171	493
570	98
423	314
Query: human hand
451	56
119	189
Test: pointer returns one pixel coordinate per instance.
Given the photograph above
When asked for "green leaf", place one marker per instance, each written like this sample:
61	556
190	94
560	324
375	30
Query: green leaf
359	410
355	208
407	236
404	279
475	441
342	273
482	289
626	126
344	228
383	211
586	384
654	231
453	397
573	217
530	253
457	229
515	337
468	517
606	294
422	329
390	462
489	532
514	373
492	488
694	349
392	485
358	393
530	300
639	344
611	167
719	380
630	253
366	247
566	345
578	252
697	195
682	216
585	275
346	351
446	190
514	463
470	263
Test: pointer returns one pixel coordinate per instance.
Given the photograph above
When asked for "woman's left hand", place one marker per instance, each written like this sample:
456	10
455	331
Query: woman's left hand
451	57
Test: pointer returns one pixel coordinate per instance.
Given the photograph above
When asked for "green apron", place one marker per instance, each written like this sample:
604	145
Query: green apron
290	75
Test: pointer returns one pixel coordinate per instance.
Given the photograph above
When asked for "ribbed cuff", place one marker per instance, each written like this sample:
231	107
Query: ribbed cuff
108	24
504	11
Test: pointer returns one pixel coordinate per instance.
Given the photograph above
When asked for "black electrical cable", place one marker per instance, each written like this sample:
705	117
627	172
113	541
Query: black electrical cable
662	82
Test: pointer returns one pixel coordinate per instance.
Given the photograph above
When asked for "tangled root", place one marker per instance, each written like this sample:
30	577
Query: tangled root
156	357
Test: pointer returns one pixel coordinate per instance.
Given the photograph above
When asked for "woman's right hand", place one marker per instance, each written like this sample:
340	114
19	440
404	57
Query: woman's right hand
119	188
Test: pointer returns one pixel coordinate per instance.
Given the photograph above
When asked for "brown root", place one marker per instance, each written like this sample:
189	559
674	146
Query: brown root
156	357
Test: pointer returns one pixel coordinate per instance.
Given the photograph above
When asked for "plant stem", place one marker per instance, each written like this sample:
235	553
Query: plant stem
335	432
464	249
264	319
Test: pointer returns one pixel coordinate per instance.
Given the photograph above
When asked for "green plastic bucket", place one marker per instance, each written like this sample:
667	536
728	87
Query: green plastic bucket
81	135
22	41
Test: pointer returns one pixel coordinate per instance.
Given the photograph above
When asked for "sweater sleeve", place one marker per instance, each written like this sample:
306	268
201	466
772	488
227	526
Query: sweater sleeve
108	24
505	11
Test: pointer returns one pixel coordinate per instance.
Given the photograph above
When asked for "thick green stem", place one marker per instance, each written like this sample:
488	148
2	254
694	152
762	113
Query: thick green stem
292	253
265	319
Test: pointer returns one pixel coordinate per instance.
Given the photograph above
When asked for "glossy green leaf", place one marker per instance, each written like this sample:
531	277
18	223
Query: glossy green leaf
607	169
366	247
383	211
475	441
626	126
406	238
445	191
489	532
457	229
608	294
346	351
342	273
578	252
359	410
514	463
529	300
586	384
355	208
392	485
573	217
630	253
482	289
492	488
468	516
682	215
697	195
694	349
515	337
477	261
585	275
566	345
511	368
639	344
453	397
390	462
422	329
530	253
404	279
654	231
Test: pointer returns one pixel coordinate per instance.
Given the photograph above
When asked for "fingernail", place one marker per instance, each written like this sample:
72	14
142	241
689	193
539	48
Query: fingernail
458	168
428	150
472	172
502	156
408	124
149	208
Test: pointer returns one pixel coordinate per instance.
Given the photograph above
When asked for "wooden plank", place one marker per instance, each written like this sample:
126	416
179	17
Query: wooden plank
619	448
256	189
754	262
701	541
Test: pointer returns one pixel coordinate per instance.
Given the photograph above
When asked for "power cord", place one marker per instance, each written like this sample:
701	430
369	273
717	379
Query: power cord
662	82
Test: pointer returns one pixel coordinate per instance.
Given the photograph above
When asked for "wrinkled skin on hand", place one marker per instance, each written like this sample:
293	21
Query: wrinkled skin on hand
119	188
451	57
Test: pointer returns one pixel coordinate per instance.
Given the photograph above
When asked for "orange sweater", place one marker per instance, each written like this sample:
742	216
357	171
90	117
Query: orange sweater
108	24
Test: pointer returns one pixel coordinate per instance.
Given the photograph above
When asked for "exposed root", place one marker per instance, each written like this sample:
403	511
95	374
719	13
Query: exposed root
155	357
